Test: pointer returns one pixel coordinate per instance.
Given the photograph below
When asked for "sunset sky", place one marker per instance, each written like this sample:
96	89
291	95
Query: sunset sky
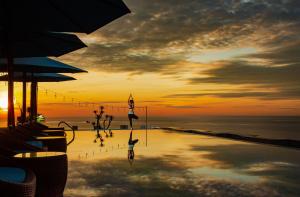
187	57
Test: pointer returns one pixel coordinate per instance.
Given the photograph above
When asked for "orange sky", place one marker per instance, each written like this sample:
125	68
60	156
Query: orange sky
191	58
148	90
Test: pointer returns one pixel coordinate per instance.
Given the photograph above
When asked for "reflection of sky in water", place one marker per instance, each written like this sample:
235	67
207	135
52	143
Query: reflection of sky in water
224	174
176	164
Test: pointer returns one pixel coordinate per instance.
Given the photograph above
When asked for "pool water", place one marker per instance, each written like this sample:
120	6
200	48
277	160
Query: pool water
178	164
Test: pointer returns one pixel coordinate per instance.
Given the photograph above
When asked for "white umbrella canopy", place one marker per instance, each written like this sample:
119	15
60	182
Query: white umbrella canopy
60	15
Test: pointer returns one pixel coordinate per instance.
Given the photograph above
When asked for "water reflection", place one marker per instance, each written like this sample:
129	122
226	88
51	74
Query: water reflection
180	165
228	174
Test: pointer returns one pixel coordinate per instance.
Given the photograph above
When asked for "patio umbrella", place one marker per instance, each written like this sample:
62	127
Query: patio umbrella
39	44
60	15
38	77
34	78
37	65
52	15
33	44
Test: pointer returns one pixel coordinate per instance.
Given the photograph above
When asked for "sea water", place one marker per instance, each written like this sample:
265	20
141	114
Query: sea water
277	127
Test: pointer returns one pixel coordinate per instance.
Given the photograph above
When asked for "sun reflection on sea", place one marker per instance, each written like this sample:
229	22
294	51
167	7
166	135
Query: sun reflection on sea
3	101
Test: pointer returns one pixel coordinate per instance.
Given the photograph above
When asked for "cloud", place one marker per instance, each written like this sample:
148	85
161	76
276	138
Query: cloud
274	81
257	40
285	54
185	106
157	176
261	95
239	72
223	95
158	35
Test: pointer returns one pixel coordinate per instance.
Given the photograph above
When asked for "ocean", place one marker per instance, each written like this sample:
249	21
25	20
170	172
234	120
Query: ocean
275	127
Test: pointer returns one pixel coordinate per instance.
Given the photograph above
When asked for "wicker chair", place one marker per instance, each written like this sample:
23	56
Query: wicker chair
10	145
25	188
41	127
30	132
51	173
54	133
13	142
57	144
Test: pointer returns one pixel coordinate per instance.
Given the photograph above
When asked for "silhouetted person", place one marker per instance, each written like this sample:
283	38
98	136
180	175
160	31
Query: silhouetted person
131	114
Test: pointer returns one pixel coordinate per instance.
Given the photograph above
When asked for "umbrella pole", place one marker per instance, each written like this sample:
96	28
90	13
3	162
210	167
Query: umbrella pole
36	101
10	62
23	116
11	112
33	101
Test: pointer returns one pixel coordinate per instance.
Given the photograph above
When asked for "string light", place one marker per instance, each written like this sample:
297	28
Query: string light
108	108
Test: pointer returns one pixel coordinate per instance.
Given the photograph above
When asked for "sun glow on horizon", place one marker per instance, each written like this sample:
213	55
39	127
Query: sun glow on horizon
3	101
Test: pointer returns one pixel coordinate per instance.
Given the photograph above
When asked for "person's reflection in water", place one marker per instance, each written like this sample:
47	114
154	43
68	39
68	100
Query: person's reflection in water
131	144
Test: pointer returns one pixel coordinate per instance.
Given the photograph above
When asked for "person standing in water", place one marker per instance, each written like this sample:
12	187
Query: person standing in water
131	114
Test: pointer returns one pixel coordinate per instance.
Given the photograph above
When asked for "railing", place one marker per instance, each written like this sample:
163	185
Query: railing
73	131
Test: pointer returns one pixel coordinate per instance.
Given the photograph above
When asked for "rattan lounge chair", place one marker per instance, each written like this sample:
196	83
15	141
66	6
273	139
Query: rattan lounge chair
29	132
17	182
51	171
10	145
41	127
57	144
51	143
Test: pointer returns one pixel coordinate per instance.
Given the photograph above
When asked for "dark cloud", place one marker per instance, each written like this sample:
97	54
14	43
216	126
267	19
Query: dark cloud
286	54
284	79
159	34
159	37
116	58
293	94
245	73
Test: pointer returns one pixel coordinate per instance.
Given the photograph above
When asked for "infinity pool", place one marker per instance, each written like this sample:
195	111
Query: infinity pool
177	164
